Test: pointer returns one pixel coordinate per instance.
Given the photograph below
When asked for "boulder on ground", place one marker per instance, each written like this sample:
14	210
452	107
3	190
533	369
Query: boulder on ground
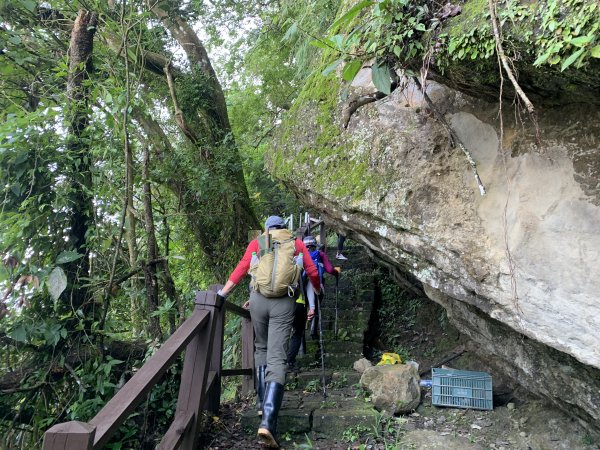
394	388
362	364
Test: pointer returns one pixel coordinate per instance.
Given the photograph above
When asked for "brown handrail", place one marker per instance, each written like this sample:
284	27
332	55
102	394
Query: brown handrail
237	310
307	228
202	337
114	413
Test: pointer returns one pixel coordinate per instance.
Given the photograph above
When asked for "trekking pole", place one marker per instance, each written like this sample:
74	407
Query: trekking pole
335	324
322	348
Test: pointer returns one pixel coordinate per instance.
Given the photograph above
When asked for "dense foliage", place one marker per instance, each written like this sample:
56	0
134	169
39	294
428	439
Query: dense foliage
419	36
123	191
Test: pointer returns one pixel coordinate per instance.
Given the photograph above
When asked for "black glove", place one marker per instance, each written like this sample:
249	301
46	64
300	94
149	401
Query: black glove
221	296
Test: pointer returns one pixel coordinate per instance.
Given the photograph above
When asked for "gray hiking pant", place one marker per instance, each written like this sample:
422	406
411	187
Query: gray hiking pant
272	321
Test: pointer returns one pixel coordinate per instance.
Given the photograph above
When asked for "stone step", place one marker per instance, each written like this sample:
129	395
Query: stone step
310	413
352	333
307	380
346	311
341	347
332	360
361	315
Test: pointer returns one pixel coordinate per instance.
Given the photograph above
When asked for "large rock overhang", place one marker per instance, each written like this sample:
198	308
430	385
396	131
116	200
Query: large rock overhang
524	256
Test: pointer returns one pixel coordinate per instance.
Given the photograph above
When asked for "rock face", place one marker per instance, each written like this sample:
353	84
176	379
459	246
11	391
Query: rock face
518	268
394	388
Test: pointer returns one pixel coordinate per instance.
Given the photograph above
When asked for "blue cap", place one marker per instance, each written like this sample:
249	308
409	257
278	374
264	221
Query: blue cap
274	222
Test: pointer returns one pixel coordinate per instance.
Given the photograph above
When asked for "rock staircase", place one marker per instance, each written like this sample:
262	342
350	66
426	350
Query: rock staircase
304	409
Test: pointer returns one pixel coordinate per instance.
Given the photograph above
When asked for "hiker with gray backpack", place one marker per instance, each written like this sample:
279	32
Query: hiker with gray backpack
274	261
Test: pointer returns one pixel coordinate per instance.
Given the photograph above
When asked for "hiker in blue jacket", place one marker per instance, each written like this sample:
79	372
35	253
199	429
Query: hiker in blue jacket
301	313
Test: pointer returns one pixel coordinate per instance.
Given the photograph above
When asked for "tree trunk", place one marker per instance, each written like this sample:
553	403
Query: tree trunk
150	268
131	236
169	284
77	112
202	117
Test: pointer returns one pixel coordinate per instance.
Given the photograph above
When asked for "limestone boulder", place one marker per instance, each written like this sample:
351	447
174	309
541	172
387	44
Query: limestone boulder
394	388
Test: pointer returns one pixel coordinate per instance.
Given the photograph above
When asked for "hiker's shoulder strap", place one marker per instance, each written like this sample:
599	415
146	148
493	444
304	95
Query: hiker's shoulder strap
263	246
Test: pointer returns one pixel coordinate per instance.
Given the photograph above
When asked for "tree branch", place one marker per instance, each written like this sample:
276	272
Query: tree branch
179	118
510	73
351	107
504	59
24	389
453	136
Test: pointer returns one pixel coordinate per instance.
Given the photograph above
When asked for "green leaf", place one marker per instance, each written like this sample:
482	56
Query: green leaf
14	39
581	40
554	59
337	41
571	59
351	69
351	14
542	58
452	46
420	27
19	334
381	77
66	257
595	52
331	67
57	283
320	44
29	4
291	32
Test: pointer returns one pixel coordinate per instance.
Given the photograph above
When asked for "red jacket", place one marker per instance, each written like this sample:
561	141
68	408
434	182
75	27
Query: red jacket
244	265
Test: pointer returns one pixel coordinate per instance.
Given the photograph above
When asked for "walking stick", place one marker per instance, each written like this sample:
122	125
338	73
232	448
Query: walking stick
318	302
335	324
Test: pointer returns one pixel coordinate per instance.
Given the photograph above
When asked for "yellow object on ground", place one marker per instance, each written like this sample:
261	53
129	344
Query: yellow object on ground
390	358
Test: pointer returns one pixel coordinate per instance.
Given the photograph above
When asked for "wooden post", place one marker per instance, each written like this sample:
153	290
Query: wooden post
195	370
213	400
70	436
323	236
248	355
301	232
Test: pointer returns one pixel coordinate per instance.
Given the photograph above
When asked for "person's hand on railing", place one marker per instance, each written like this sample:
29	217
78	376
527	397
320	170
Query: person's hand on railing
221	296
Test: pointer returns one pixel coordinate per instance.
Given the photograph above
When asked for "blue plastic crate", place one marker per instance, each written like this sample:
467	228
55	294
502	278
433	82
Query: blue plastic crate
461	389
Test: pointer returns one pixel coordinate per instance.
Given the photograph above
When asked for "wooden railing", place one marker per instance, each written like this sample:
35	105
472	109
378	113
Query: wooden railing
200	389
308	227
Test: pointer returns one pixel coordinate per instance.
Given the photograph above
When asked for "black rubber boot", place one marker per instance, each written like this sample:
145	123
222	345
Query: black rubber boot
260	388
271	405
